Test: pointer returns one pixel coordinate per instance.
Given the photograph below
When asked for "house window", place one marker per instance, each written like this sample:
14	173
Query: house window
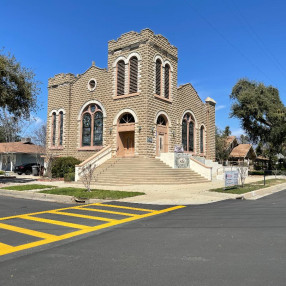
120	77
202	139
158	76
92	126
188	133
54	124
167	81
61	128
133	75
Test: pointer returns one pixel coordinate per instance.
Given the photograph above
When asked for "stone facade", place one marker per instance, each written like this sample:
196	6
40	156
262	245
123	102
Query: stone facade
70	94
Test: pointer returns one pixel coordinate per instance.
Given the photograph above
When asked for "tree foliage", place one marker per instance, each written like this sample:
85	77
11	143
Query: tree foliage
261	112
18	87
220	143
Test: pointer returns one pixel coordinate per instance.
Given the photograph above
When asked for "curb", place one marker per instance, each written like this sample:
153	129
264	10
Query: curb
254	195
48	197
38	196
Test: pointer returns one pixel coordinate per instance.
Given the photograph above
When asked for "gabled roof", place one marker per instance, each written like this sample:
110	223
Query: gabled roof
243	151
20	147
229	140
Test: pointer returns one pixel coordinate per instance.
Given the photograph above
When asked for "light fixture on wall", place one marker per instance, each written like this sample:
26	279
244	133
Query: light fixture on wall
139	128
110	130
152	129
173	133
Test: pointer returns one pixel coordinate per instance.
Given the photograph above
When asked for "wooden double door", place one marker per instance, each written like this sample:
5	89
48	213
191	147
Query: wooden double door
126	144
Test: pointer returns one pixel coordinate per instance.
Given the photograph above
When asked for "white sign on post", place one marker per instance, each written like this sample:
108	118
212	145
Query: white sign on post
231	178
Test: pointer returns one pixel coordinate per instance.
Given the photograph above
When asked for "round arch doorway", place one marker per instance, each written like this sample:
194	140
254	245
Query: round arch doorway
162	135
126	135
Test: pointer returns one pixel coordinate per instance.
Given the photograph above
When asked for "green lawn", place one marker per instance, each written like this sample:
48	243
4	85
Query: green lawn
28	187
94	194
250	187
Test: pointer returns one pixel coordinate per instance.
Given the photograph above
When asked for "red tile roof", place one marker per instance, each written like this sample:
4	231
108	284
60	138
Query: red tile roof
20	147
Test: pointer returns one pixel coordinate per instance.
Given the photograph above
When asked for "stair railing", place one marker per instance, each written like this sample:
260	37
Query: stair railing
95	160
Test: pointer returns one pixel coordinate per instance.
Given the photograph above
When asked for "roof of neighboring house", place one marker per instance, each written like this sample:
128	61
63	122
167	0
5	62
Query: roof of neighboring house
243	151
229	139
262	158
20	147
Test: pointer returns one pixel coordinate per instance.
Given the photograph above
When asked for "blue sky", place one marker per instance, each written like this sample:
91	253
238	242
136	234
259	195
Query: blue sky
218	42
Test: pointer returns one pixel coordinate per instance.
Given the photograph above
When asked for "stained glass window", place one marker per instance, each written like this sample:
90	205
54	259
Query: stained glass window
86	129
61	128
54	118
98	129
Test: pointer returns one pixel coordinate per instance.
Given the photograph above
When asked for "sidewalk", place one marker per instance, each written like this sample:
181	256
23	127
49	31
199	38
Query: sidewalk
166	194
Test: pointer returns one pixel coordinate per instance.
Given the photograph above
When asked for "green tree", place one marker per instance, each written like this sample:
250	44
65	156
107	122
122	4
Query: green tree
18	87
244	139
220	144
261	112
226	131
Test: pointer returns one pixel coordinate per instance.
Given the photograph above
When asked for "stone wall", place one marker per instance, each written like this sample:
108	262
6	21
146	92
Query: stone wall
70	94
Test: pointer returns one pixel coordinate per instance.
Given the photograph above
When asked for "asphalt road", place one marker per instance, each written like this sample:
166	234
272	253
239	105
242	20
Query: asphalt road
228	243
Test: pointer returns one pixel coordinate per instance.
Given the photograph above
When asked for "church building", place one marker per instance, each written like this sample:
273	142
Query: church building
134	105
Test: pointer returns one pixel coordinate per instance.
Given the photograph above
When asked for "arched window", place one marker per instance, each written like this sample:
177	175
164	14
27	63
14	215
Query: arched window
92	126
133	75
188	133
167	81
161	120
61	127
120	77
127	118
54	124
158	76
202	133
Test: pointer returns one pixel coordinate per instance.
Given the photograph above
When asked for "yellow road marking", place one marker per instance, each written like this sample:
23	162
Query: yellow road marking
104	211
52	238
57	222
5	247
124	207
82	216
27	231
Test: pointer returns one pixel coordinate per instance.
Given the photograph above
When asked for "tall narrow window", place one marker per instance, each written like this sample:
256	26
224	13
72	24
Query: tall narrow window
158	76
92	126
133	75
188	133
97	129
167	81
185	135
202	139
120	77
86	129
191	136
54	124
61	128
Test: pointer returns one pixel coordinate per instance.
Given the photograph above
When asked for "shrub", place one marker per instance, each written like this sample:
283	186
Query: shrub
69	177
64	165
2	172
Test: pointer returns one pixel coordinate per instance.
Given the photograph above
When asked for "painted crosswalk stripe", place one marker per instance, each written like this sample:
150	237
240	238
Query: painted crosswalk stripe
49	238
56	222
82	216
105	211
27	231
124	207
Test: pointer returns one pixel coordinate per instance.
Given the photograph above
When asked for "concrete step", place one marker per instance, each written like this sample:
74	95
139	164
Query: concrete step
142	171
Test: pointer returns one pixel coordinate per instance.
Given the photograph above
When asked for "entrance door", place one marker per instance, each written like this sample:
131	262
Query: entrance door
161	144
126	144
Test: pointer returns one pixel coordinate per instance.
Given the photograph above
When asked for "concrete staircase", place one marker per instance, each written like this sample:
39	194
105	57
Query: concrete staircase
139	171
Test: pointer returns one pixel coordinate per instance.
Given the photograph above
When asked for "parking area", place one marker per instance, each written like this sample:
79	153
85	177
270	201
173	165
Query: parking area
28	230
